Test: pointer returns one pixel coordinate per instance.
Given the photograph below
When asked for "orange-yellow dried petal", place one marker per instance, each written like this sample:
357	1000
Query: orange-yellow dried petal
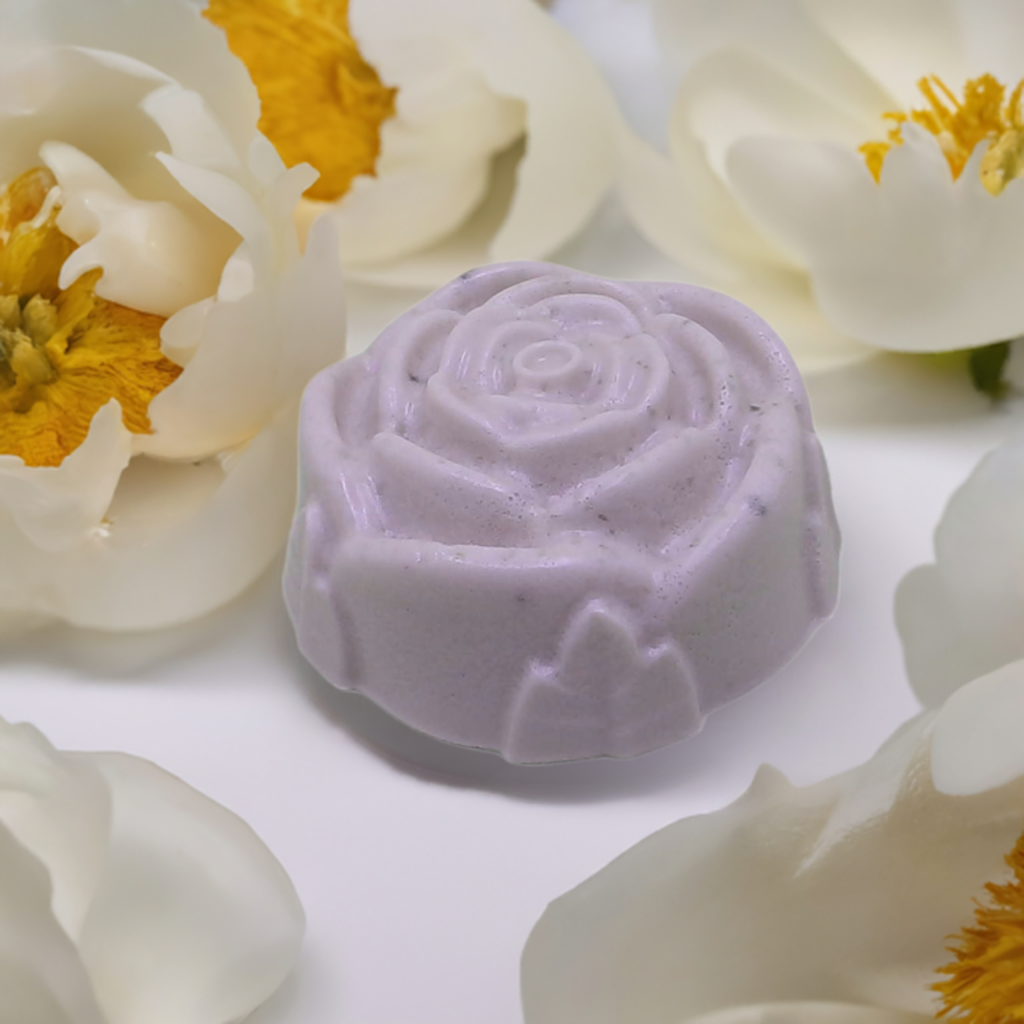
985	981
321	102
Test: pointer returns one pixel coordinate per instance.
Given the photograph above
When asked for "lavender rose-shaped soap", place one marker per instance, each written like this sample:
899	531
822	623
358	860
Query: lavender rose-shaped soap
560	517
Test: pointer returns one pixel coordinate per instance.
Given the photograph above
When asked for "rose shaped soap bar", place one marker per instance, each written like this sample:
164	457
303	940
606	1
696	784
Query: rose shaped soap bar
560	517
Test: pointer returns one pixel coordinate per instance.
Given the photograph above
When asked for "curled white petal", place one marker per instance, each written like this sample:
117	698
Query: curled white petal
56	507
125	895
193	918
154	257
204	530
962	616
843	892
522	74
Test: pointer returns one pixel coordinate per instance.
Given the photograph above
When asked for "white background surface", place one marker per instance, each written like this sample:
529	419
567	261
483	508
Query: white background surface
423	867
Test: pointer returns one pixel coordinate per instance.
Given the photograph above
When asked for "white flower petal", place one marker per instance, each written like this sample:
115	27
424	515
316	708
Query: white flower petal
991	30
789	35
664	211
976	745
170	37
395	214
810	1013
523	55
898	42
962	616
194	920
61	813
154	256
846	891
182	539
55	507
467	248
919	262
255	355
42	979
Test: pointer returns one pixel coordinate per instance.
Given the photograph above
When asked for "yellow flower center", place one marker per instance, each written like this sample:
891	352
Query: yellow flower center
322	103
64	353
985	983
983	115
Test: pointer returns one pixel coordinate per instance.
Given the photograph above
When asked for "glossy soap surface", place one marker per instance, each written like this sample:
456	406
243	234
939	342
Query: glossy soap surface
560	517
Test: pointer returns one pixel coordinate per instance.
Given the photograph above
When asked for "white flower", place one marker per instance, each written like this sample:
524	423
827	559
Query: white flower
551	514
126	896
964	615
834	903
767	193
448	134
157	323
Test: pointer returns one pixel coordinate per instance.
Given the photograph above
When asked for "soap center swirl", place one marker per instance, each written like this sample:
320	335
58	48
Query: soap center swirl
551	364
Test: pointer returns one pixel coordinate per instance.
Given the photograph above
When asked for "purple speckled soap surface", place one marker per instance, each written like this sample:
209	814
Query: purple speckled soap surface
560	517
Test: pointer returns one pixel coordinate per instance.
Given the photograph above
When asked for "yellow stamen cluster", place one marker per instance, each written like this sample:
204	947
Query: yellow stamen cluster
64	353
984	115
985	982
321	102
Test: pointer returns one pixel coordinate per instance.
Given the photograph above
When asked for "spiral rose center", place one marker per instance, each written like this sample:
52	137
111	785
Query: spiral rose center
547	365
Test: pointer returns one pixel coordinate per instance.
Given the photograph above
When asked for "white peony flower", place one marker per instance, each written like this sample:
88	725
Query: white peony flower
846	902
849	169
448	133
964	615
157	323
126	896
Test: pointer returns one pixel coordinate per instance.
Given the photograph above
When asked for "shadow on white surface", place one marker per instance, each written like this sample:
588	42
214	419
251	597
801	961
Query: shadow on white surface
891	391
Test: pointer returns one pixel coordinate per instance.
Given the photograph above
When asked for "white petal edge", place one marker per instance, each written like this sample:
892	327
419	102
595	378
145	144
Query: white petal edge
58	507
255	355
193	920
183	539
172	37
961	616
41	976
60	812
571	117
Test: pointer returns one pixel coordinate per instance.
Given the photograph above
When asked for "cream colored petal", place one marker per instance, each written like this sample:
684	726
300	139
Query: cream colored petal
991	29
42	980
699	227
255	356
154	256
917	263
523	55
898	42
662	210
60	812
962	616
171	37
181	539
385	218
466	248
59	507
810	1013
786	35
194	920
976	745
846	891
